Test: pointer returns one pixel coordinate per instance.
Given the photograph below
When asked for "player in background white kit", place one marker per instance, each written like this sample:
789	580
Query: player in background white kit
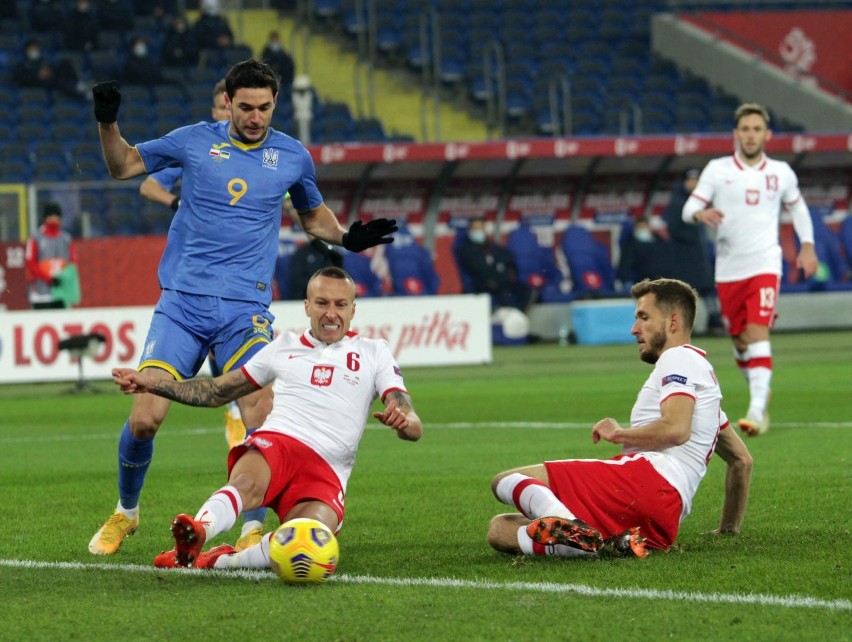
620	506
298	463
741	197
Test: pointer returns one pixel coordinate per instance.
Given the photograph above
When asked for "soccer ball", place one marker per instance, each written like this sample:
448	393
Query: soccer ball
303	551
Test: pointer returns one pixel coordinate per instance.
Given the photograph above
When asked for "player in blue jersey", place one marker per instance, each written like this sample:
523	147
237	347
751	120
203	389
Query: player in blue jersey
216	270
157	187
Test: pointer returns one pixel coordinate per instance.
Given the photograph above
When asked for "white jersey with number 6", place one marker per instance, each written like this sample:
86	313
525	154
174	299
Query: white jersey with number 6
323	392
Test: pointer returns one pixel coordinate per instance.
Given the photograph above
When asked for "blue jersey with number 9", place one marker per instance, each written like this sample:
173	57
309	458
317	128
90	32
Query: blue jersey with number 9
223	240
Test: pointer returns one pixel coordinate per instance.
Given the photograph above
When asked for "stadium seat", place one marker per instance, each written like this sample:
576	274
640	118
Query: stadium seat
411	268
829	252
592	273
367	284
15	170
536	265
845	234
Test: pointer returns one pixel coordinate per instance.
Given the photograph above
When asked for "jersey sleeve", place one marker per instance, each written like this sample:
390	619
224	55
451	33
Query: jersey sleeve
260	369
388	374
791	187
795	204
702	196
678	375
168	151
304	194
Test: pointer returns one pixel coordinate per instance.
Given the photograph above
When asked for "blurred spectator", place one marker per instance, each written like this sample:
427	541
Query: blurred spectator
51	259
139	69
644	255
81	27
281	61
8	10
212	32
156	8
45	15
179	46
34	70
690	257
115	15
492	269
305	261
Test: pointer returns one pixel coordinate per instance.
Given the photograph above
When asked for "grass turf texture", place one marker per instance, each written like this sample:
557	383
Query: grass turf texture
414	561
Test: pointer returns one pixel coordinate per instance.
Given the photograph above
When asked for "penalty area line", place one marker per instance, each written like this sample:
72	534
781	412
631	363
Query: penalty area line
257	575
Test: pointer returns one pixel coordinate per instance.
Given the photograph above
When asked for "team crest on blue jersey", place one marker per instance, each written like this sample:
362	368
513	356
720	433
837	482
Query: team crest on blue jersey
674	378
270	158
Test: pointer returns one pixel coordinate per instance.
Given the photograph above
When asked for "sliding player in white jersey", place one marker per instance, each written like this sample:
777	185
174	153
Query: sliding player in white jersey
299	461
741	197
620	506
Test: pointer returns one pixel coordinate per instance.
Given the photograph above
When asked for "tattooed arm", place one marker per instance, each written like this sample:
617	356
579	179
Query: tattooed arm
399	414
193	392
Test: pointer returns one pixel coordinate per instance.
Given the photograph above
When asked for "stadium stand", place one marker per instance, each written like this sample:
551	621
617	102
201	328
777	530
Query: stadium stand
600	49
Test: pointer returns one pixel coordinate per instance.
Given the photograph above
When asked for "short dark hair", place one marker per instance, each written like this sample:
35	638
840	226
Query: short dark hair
333	272
51	209
747	109
670	295
250	74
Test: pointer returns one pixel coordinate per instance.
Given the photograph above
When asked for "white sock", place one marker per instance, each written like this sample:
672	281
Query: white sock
256	556
219	513
526	544
759	377
132	513
531	497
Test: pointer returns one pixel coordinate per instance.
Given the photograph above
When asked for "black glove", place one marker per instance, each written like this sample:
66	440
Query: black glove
107	99
361	236
175	203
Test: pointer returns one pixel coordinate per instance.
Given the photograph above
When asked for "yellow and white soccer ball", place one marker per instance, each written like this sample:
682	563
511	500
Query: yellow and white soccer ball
303	551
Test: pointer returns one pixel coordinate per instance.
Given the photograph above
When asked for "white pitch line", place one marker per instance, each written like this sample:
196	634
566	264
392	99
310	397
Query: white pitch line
783	601
456	425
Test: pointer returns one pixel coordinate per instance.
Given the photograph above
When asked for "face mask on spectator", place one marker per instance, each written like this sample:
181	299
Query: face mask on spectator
643	236
476	236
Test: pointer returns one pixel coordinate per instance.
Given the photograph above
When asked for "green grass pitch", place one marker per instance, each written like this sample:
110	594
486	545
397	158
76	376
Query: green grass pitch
414	561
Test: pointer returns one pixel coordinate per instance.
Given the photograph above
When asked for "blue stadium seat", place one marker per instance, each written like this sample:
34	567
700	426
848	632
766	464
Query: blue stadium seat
592	273
15	170
369	130
829	251
327	9
367	284
536	265
845	235
411	267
